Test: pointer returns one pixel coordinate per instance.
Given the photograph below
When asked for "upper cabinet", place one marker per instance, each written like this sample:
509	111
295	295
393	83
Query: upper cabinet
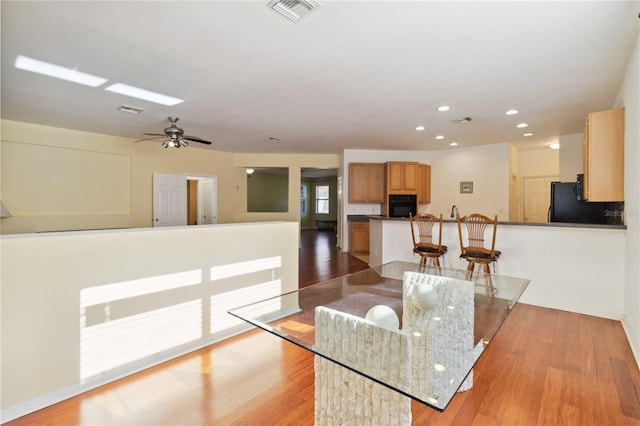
424	183
604	156
402	177
366	183
373	182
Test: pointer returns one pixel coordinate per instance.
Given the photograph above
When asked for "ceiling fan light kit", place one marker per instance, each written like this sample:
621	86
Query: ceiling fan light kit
175	137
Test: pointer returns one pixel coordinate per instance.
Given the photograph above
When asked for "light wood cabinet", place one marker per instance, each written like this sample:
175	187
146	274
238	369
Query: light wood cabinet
424	183
366	183
402	177
603	158
359	237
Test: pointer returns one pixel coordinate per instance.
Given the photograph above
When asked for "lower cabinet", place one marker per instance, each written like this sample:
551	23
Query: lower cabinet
359	237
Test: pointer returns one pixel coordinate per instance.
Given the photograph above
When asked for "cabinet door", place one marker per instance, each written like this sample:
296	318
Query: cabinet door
410	178
395	177
359	237
376	183
424	183
604	156
358	183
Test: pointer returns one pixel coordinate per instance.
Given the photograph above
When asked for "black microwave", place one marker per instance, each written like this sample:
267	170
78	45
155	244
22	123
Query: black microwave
403	205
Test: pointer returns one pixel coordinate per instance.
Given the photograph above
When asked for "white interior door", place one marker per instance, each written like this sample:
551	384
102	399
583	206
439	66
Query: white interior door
169	200
208	200
537	196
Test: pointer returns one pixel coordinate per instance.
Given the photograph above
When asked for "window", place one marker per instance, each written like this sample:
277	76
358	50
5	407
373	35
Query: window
303	200
322	199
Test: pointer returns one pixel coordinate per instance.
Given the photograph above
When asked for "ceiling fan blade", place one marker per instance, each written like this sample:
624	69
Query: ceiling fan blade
148	139
155	134
196	139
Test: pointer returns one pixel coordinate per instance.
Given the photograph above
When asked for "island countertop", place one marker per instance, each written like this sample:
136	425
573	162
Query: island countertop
366	218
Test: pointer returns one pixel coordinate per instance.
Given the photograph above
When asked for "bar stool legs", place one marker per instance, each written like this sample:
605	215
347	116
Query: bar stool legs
490	290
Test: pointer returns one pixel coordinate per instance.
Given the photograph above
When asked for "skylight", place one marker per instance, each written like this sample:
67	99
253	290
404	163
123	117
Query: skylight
136	92
56	71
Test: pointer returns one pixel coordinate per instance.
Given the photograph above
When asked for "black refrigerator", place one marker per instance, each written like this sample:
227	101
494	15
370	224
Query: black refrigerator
566	207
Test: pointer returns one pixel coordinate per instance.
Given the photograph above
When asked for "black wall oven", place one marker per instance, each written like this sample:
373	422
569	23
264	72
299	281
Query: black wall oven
401	205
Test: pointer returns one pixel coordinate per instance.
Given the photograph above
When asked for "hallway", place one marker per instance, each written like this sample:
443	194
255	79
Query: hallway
321	259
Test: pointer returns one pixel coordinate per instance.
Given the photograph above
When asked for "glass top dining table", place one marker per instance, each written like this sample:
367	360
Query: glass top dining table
433	324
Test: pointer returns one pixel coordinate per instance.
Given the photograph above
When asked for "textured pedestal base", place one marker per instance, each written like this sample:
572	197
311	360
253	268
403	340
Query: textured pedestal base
428	358
347	398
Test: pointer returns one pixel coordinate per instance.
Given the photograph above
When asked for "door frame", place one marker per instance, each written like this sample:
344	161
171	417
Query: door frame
201	199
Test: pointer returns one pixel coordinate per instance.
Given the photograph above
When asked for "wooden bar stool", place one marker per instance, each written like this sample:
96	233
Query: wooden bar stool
475	251
422	227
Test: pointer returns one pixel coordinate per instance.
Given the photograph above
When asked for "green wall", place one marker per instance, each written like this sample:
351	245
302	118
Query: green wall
267	192
309	220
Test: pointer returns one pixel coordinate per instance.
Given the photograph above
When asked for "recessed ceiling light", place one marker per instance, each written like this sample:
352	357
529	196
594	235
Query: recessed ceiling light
555	145
527	134
56	71
420	128
453	144
442	108
136	92
439	137
522	125
512	112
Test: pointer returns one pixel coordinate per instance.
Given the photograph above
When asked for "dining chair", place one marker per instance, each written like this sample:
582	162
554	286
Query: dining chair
476	250
422	225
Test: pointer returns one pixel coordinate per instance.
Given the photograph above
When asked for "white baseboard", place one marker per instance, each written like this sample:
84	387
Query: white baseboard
635	350
27	407
59	395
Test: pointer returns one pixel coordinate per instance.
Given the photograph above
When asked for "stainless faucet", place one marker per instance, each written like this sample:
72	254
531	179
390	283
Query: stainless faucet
454	208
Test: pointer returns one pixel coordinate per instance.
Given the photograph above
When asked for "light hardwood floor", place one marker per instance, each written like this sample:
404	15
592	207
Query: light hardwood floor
544	367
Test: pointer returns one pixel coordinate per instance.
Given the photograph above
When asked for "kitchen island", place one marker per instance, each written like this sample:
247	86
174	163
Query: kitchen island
572	267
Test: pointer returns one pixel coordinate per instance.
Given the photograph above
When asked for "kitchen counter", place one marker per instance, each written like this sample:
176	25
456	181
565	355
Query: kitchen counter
366	218
559	258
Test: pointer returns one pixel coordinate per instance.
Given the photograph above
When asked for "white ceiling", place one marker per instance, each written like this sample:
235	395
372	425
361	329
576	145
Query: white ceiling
350	75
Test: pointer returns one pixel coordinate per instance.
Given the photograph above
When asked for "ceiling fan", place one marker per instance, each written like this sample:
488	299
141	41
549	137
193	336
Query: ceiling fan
175	137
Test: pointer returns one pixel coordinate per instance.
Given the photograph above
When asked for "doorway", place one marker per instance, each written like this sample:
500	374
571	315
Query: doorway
319	191
184	199
536	198
202	197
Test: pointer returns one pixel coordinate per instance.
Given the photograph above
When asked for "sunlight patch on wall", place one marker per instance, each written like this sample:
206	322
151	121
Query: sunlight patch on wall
221	303
127	321
107	342
115	343
242	268
126	289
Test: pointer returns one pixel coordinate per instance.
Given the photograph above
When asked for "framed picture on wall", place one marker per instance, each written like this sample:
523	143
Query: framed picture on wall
466	187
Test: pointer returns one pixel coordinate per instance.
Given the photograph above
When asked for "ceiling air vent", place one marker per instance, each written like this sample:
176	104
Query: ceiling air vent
293	9
130	109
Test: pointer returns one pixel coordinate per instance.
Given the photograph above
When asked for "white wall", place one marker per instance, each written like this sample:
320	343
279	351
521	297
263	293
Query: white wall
571	154
486	166
565	272
629	98
59	289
